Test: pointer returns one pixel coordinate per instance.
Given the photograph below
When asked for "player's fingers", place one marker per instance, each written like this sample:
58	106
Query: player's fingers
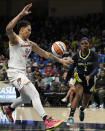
29	12
27	7
71	61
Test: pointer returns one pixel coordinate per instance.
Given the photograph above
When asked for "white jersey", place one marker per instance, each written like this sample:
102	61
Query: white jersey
18	54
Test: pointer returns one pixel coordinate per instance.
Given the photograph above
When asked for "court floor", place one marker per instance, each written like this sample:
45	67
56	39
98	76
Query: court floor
27	119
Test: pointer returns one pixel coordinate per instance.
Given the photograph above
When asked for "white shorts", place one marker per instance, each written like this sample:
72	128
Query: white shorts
18	78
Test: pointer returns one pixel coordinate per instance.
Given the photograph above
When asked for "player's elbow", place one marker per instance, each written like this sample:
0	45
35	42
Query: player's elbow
8	28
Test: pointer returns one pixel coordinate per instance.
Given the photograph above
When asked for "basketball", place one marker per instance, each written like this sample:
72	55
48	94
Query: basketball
58	48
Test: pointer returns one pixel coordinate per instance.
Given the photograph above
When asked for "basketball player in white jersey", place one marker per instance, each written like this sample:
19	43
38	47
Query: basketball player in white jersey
20	47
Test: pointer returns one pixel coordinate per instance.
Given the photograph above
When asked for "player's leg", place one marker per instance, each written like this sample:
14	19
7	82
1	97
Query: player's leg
23	99
85	102
18	79
78	95
8	110
71	84
67	96
27	89
101	94
33	94
87	91
19	82
28	92
72	94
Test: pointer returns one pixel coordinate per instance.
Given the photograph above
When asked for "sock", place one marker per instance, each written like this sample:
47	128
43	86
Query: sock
44	118
82	108
12	109
72	112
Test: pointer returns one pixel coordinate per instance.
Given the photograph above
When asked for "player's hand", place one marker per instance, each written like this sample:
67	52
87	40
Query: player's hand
66	62
87	79
26	11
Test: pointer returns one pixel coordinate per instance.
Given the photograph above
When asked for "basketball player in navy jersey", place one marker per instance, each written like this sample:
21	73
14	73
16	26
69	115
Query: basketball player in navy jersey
86	63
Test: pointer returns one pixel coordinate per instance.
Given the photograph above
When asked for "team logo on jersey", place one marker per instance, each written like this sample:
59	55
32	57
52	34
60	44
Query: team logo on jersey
19	81
26	52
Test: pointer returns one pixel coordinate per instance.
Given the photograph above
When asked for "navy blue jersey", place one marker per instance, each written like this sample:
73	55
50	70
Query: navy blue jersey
86	66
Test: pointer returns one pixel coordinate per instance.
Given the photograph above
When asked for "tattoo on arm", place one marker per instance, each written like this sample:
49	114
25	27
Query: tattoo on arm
9	32
54	58
43	53
12	23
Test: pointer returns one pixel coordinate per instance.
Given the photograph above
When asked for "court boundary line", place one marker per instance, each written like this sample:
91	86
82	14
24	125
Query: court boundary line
56	129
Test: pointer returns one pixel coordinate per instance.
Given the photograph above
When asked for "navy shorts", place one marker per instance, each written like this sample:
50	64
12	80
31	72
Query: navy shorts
87	89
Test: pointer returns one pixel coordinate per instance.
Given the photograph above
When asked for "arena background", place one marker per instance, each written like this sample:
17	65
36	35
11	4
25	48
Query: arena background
53	20
55	8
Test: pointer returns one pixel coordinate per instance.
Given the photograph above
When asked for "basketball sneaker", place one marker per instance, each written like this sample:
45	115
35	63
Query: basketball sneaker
101	106
70	121
81	114
64	99
6	111
50	124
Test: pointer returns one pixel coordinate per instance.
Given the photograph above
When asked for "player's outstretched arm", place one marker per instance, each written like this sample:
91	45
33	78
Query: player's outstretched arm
9	28
48	55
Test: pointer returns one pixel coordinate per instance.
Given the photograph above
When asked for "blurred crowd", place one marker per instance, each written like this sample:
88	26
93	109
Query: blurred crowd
48	76
47	30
